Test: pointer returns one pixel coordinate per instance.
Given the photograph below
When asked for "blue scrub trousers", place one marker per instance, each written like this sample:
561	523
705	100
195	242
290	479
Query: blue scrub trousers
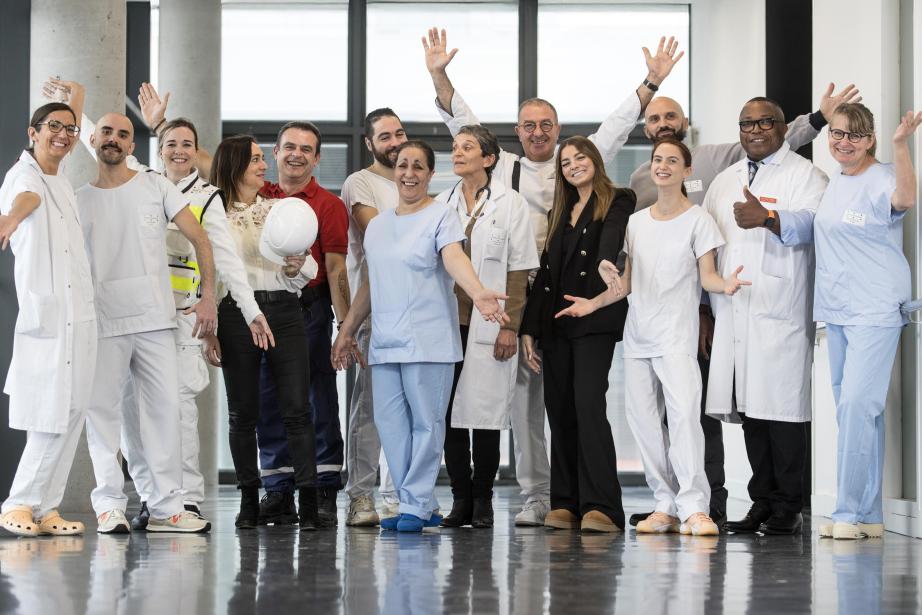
410	401
274	461
860	361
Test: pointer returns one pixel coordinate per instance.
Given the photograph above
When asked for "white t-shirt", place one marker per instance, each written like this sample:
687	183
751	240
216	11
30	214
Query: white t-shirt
369	189
125	233
665	285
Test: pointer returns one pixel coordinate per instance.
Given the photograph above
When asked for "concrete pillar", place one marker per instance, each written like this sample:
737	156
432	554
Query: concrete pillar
85	42
190	69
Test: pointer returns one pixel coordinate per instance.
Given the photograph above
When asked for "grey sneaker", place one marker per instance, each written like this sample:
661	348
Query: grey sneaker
186	522
113	522
362	512
533	513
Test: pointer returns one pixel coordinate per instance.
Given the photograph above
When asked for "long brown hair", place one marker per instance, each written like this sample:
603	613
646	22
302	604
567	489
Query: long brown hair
565	194
231	160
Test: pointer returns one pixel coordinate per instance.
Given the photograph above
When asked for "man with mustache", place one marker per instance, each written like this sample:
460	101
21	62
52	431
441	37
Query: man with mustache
297	153
367	193
664	117
124	216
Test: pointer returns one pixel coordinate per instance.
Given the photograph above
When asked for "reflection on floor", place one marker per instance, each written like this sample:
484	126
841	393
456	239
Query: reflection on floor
504	570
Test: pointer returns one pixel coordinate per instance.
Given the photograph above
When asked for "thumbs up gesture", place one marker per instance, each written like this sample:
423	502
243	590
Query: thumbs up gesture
749	212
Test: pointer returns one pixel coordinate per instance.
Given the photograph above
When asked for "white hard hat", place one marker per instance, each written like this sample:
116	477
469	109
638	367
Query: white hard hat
289	229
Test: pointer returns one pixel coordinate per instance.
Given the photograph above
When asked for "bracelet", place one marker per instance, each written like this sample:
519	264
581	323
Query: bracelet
650	85
156	127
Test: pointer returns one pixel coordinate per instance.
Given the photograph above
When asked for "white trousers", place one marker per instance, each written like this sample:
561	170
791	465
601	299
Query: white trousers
364	455
41	476
193	378
532	467
149	359
673	458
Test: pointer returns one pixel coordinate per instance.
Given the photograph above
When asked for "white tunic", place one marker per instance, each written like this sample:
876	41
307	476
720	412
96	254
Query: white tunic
763	335
501	241
54	290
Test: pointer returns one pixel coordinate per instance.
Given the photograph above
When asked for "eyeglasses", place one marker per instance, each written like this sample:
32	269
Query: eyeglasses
853	137
529	127
766	123
55	126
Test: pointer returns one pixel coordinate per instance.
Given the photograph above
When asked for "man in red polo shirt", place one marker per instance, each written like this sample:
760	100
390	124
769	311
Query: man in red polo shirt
297	152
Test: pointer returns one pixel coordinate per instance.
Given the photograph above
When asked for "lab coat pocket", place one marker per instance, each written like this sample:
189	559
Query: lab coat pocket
38	316
390	329
126	297
773	291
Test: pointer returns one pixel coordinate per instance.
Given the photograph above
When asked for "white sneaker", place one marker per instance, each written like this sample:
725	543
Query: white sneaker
362	512
390	509
186	521
533	513
113	522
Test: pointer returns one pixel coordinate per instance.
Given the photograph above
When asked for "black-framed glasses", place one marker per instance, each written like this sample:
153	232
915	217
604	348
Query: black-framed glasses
766	123
529	127
55	126
853	137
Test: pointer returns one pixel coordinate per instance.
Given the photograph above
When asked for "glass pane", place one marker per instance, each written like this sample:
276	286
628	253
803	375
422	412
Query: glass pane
271	69
485	70
330	172
630	157
590	58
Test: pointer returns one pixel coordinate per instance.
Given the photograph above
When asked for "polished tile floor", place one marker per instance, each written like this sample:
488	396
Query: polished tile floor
278	571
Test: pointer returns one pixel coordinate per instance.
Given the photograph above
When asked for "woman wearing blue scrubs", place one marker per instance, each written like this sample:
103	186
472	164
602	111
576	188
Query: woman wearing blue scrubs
862	279
415	256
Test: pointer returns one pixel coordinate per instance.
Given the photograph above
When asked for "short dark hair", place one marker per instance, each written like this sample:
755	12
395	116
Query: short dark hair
539	102
772	102
179	122
376	115
420	145
231	160
300	125
42	113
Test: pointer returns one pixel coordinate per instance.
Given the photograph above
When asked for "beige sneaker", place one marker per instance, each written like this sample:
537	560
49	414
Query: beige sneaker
856	531
112	522
658	523
561	519
699	524
826	530
186	522
594	521
362	512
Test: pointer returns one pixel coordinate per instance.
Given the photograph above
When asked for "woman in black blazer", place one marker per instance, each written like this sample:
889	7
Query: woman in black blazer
586	225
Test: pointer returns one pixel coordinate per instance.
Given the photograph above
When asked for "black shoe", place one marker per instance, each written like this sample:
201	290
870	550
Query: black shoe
758	514
461	509
248	517
139	521
326	507
482	515
784	524
637	518
307	509
278	507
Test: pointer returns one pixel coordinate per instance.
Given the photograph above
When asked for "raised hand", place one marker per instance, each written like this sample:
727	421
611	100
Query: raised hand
749	212
262	334
660	65
734	283
61	90
436	46
152	107
908	125
487	303
828	102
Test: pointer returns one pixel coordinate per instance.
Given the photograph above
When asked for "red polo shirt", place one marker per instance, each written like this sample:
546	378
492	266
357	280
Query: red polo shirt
332	220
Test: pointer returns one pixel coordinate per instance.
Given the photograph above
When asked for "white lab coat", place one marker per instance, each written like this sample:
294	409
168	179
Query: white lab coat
763	335
40	379
502	240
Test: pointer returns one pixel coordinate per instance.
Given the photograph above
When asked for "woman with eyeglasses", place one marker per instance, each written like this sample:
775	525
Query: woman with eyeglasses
54	342
862	280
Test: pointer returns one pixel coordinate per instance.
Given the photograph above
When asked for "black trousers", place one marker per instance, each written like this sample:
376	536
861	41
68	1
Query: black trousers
288	362
777	452
458	451
584	465
713	448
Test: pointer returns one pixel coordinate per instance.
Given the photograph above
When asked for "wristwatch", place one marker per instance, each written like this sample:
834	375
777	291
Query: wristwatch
650	85
770	220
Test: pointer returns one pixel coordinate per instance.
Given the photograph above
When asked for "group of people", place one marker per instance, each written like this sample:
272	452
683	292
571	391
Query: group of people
468	313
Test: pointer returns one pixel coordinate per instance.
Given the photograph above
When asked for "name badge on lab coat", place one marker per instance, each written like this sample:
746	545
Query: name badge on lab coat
853	217
694	185
497	236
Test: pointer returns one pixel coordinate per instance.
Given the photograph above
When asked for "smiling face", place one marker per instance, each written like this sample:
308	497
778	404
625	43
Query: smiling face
467	157
255	175
577	168
667	167
388	136
761	143
178	152
664	118
113	139
54	144
538	145
412	174
849	155
296	155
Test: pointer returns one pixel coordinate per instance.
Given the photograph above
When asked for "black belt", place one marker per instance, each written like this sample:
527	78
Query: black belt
266	296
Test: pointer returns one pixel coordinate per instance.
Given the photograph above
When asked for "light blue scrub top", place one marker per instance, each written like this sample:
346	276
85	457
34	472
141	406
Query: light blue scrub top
862	276
414	311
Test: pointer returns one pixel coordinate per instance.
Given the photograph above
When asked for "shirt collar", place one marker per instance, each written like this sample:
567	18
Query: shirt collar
186	183
776	157
275	191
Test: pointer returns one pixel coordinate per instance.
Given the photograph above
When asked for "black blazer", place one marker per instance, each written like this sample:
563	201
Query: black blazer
576	273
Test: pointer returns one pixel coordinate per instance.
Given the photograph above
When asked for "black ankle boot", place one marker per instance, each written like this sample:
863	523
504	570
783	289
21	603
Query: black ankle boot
248	516
482	514
307	508
460	513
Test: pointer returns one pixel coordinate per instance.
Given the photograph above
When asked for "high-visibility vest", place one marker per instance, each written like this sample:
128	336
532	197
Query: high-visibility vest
185	276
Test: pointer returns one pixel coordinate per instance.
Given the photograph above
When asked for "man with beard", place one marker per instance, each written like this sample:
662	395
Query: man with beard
664	117
297	153
367	193
124	216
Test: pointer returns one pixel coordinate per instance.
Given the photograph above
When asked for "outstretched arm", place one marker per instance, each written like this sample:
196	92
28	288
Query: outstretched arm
659	66
711	280
619	287
23	205
904	196
462	272
437	59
